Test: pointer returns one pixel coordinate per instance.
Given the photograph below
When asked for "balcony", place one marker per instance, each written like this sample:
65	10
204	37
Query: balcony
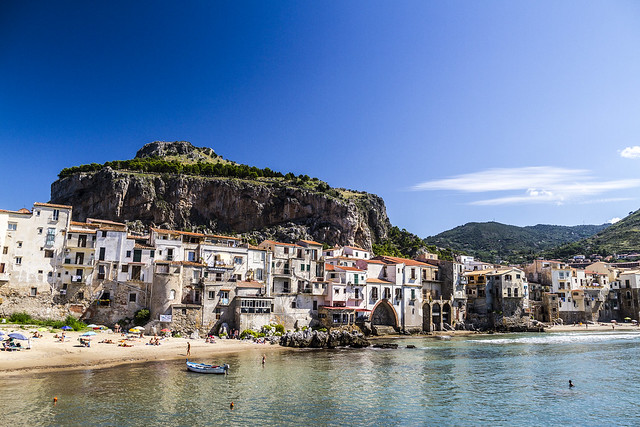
282	271
81	244
75	263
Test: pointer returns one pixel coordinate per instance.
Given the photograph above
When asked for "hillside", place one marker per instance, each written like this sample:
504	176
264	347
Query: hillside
176	185
495	242
620	238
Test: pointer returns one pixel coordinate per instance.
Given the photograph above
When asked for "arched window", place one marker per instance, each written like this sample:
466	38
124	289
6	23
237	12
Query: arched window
172	294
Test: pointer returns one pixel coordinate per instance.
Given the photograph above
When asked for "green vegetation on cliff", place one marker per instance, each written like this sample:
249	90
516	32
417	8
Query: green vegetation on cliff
401	243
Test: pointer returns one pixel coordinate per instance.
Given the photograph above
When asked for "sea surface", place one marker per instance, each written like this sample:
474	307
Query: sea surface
515	379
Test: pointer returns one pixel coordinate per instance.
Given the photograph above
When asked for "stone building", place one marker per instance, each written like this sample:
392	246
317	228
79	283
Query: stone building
31	260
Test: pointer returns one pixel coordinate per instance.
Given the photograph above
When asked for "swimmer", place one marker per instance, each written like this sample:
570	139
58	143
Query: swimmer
231	406
570	384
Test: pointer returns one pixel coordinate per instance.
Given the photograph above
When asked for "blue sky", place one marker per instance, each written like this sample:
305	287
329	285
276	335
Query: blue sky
453	112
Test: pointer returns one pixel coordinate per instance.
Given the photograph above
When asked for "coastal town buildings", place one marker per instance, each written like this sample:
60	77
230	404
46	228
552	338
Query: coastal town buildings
103	271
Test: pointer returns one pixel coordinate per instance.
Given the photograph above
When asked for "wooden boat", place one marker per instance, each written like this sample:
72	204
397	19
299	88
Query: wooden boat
203	368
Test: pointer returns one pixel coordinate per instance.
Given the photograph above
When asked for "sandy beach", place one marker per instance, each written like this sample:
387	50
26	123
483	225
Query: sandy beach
49	353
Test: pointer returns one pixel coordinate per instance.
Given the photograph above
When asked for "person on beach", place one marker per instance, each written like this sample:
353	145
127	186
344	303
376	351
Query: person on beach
264	359
188	349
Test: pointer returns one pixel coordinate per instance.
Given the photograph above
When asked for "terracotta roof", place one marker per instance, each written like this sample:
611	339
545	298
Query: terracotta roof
356	248
139	246
374	280
51	205
405	261
106	221
182	233
222	237
190	263
311	242
374	261
251	284
346	268
75	230
273	242
20	211
329	267
256	248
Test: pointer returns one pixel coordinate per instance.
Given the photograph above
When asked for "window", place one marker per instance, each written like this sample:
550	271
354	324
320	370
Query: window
398	293
102	254
259	274
133	297
386	293
13	226
19	244
103	233
237	260
515	292
191	256
5	250
51	236
315	305
285	287
170	254
128	255
33	292
37	213
357	292
125	268
39	230
172	294
211	295
413	273
56	214
508	292
40	271
336	291
374	294
413	294
293	304
48	253
18	260
626	283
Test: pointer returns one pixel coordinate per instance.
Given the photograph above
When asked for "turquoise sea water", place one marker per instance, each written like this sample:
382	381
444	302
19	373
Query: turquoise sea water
516	379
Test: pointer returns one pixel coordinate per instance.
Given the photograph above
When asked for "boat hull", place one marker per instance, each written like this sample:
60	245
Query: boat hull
203	368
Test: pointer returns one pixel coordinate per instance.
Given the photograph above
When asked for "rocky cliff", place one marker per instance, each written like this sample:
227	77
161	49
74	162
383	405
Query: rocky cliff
267	208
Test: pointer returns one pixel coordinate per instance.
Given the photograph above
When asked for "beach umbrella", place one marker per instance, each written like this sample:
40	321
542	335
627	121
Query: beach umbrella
42	329
165	330
627	318
93	325
17	336
1	333
66	328
88	334
136	330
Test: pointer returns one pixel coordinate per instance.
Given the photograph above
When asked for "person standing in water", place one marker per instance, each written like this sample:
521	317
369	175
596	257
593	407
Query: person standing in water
570	384
188	349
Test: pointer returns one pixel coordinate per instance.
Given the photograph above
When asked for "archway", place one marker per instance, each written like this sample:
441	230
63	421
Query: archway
436	317
426	318
384	314
446	314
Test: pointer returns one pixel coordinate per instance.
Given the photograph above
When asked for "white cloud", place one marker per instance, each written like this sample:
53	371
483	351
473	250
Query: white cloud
541	184
613	220
631	152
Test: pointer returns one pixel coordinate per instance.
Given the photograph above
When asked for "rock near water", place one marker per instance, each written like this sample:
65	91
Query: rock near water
317	339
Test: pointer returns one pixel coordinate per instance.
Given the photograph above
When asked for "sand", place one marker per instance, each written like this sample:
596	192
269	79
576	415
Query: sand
48	353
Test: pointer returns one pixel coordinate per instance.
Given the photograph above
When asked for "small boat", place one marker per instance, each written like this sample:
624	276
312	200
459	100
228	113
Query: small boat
203	368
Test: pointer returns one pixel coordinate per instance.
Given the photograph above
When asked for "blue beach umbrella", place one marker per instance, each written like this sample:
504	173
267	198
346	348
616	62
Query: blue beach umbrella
66	328
17	336
88	334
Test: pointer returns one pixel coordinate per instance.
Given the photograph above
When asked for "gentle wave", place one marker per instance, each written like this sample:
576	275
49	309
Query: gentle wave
557	338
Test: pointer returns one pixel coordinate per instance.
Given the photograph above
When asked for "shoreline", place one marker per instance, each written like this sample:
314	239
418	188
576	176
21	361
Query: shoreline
49	354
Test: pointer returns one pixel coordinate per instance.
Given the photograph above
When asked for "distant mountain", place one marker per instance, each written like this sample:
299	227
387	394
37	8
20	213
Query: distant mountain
495	242
619	238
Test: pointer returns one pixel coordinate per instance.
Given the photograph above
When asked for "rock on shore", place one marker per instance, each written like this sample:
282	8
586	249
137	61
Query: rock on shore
318	339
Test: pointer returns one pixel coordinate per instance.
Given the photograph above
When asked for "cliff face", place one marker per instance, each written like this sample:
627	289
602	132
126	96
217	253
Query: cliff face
262	209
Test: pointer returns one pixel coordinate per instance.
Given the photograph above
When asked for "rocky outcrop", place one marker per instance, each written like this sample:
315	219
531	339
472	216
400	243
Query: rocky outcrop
317	339
225	205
